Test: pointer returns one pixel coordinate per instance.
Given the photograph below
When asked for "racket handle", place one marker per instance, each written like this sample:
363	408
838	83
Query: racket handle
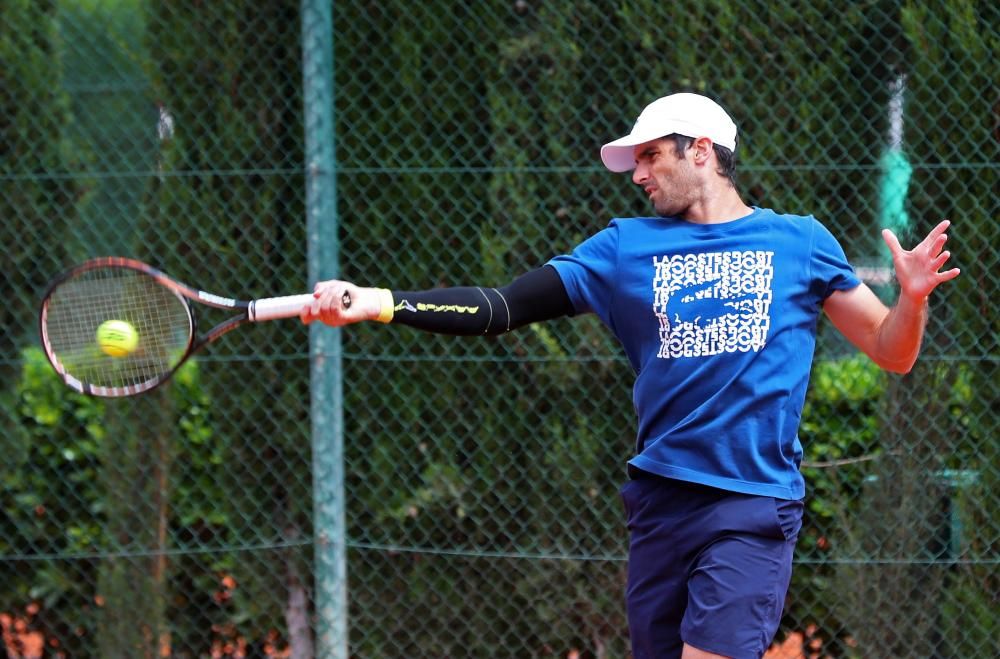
273	308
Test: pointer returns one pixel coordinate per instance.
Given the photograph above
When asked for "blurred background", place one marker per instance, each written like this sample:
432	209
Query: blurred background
474	498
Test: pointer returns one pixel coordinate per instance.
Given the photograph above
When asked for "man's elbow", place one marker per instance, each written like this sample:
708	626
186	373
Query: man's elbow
902	367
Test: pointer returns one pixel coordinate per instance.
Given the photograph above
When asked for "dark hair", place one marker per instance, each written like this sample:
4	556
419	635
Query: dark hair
726	158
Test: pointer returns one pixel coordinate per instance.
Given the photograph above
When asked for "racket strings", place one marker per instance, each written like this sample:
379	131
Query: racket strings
78	306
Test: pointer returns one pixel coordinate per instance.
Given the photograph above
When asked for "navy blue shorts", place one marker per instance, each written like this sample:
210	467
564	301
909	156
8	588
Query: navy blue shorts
707	567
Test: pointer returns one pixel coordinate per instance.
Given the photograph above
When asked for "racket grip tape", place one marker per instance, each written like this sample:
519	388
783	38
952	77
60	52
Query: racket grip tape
273	308
290	306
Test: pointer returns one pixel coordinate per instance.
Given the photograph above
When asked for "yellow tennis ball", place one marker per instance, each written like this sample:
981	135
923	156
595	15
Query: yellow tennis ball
117	338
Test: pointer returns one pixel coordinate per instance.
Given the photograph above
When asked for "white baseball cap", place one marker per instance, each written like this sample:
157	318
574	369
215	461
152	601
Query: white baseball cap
691	115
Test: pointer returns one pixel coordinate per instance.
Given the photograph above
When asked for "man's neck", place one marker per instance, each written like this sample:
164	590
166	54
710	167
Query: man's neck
716	209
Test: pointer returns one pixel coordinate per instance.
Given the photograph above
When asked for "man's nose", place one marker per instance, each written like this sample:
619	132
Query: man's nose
638	174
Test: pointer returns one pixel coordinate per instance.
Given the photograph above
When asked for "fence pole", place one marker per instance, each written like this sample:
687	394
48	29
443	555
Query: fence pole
325	343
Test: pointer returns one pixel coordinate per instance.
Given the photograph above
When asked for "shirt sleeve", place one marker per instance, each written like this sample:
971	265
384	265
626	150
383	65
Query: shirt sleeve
829	268
589	272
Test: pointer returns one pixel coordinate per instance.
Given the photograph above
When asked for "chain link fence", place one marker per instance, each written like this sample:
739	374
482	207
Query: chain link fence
480	475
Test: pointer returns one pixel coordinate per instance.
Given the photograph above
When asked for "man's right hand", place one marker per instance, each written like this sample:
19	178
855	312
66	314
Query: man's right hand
330	306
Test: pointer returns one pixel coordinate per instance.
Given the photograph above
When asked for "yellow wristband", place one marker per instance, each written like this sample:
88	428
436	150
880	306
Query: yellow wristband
385	303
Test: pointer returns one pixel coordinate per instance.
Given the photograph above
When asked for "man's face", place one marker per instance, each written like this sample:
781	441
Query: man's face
670	182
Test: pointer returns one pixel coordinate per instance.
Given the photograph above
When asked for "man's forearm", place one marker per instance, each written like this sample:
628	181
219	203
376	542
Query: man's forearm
534	296
900	335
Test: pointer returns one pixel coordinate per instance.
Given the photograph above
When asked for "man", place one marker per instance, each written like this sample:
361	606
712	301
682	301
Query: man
716	305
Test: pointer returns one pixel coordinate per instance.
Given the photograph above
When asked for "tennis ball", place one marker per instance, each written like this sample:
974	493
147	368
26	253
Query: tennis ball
117	338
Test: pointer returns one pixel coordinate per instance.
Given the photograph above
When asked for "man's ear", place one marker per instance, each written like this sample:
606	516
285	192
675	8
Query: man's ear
703	149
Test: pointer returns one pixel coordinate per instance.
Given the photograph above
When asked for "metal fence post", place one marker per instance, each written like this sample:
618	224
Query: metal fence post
325	355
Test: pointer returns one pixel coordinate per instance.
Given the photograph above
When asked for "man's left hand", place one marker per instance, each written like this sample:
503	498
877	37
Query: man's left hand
917	270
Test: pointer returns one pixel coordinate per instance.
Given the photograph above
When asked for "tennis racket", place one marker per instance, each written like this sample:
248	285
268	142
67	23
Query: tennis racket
154	313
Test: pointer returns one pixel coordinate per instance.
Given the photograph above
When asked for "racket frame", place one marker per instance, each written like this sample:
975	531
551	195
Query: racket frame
247	311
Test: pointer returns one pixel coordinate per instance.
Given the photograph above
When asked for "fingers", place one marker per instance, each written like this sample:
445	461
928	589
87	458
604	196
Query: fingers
917	270
938	244
948	275
941	259
933	243
330	304
890	239
937	232
934	240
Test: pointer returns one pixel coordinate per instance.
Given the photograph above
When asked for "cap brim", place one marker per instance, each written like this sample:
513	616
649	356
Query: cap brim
619	155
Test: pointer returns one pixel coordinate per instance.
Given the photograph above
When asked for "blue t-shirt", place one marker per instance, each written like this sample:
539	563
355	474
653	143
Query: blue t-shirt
719	324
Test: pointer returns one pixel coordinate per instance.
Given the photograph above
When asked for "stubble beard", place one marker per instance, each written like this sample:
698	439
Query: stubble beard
670	206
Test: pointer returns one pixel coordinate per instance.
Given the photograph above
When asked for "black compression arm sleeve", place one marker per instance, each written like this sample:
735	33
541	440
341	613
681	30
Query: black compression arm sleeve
469	310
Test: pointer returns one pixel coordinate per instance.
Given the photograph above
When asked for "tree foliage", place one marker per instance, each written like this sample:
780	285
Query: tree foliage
481	472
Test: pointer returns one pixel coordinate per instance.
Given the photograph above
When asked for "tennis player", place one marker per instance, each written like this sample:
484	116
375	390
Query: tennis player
716	305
